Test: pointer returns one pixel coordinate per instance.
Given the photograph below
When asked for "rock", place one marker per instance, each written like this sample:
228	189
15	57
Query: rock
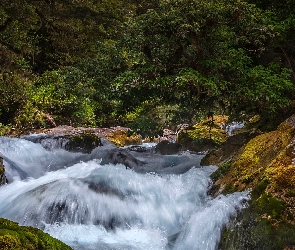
3	179
123	138
168	148
84	143
226	150
205	135
264	165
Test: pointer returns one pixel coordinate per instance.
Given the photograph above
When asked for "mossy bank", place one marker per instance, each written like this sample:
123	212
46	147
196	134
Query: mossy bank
13	236
266	166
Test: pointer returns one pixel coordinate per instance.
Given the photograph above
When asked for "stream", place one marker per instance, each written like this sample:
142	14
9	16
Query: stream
114	198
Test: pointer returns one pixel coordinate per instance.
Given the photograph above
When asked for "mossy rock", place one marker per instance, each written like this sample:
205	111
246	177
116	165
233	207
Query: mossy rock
205	135
267	156
251	231
263	165
84	143
13	236
124	138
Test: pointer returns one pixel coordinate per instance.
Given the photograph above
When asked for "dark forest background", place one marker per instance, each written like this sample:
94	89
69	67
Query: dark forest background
144	64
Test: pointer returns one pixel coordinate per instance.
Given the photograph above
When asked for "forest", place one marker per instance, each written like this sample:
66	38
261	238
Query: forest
144	64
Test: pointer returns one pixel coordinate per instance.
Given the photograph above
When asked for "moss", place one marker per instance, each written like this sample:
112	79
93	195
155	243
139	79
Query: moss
250	231
84	142
13	236
259	188
124	138
270	206
290	193
221	171
285	178
206	132
263	165
229	189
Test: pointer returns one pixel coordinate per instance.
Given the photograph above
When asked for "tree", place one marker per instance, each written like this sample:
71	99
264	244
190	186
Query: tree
203	54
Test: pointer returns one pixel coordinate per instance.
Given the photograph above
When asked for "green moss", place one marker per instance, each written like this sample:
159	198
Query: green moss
259	188
229	189
13	236
124	138
271	206
290	193
250	231
221	171
206	133
84	142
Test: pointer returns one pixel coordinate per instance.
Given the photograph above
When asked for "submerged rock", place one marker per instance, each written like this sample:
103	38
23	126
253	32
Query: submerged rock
13	236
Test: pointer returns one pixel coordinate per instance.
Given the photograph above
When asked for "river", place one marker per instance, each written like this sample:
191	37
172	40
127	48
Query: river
114	198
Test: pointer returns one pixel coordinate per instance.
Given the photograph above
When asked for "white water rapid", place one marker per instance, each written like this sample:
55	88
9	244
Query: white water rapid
93	201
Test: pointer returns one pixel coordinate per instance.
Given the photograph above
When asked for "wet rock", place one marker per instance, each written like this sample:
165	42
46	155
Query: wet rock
225	151
116	156
84	143
3	179
264	165
168	148
141	149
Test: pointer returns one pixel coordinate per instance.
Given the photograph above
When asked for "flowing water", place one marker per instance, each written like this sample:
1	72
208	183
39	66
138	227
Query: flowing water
114	198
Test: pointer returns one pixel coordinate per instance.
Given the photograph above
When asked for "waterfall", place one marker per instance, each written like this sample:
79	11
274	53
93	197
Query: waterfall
93	201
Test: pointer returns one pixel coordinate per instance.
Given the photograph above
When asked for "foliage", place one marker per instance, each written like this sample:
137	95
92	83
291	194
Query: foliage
14	92
93	63
203	56
67	96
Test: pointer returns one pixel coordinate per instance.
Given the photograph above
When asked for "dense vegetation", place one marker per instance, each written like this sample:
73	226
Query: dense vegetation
144	63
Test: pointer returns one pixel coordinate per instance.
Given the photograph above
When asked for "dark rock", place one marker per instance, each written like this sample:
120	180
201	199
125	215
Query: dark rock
196	145
3	179
227	149
109	153
84	143
168	148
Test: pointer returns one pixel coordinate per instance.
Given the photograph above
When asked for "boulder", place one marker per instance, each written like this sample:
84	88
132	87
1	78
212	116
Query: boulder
84	142
225	151
264	165
168	148
124	137
205	135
